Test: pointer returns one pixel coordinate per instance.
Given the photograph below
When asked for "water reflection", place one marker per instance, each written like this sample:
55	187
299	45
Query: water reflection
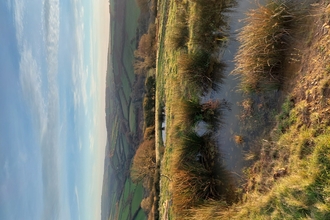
233	151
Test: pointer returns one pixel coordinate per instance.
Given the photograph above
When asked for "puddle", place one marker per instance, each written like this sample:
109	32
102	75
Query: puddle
164	131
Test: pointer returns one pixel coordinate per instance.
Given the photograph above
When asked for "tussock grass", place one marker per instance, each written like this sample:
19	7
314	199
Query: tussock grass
197	150
191	112
179	34
198	176
265	40
196	169
209	23
201	70
303	194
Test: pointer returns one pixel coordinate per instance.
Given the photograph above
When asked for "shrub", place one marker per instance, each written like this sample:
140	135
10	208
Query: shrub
150	86
144	161
149	102
149	133
145	55
146	203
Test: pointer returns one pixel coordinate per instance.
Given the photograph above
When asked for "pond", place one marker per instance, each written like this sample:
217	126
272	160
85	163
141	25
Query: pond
233	153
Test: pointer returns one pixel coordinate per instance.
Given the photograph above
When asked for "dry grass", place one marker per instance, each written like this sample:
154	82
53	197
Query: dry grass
208	23
179	35
264	42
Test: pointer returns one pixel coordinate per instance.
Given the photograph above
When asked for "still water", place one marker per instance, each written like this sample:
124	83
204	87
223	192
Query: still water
233	153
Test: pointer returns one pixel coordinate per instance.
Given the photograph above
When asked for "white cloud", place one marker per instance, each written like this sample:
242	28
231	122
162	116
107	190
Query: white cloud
44	102
93	91
51	24
78	201
80	144
30	80
80	81
19	17
40	89
80	71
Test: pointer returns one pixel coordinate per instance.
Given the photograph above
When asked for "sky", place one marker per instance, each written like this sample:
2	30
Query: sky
53	57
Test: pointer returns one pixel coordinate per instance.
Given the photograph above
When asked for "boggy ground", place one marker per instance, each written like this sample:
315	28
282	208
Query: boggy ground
289	173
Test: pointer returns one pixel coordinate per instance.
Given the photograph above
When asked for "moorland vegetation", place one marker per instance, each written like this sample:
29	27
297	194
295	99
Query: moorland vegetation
178	59
288	178
197	158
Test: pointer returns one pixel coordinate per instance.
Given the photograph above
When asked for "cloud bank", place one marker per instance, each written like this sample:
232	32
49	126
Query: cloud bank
39	84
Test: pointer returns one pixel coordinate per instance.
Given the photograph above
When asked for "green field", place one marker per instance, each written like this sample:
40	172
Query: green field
123	44
130	200
132	119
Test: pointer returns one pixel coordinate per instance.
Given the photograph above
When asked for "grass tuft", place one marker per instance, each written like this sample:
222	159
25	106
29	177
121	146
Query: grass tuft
201	70
265	40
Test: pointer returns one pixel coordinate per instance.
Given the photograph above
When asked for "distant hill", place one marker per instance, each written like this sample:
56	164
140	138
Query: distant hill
122	116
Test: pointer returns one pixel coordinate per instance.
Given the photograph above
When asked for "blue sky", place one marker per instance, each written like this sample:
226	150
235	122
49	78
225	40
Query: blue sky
52	108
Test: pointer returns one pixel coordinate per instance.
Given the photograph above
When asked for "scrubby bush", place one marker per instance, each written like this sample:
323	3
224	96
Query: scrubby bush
149	102
149	133
144	161
146	204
